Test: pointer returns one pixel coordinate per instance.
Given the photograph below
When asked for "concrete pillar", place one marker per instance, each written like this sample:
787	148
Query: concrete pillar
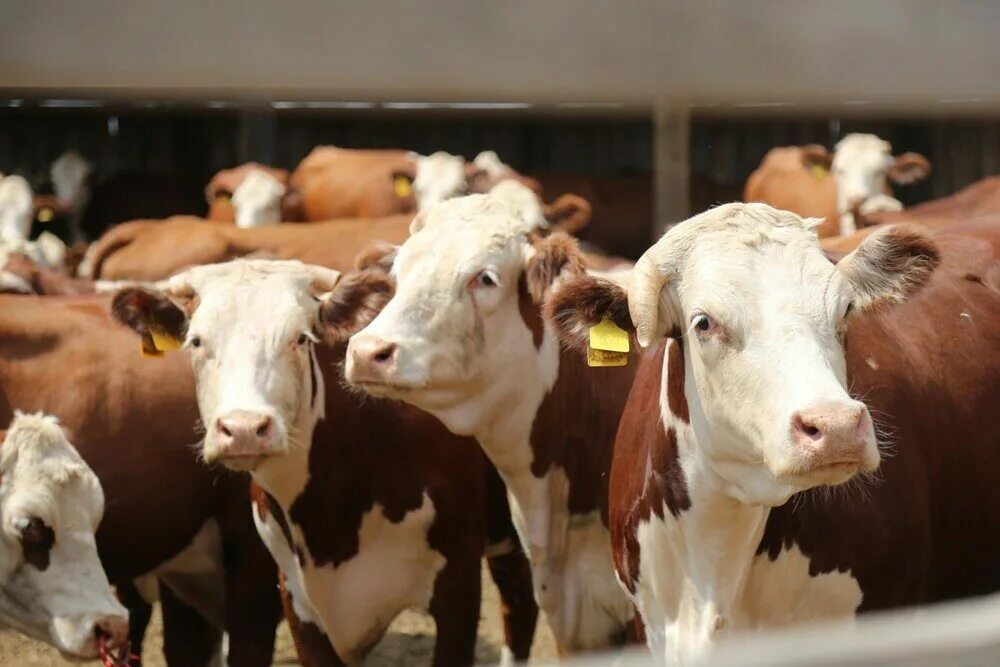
672	165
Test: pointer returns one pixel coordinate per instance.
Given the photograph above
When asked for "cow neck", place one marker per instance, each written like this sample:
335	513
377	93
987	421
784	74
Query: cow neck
284	476
713	540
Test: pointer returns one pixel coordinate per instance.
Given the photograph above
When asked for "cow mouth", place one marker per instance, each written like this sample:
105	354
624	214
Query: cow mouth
245	462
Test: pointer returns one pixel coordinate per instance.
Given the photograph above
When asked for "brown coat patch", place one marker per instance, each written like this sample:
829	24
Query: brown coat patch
676	400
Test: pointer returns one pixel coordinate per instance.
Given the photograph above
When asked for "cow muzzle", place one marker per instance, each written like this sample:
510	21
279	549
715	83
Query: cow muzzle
81	637
371	360
244	438
833	441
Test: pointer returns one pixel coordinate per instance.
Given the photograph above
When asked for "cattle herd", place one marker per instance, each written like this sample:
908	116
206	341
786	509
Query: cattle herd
782	412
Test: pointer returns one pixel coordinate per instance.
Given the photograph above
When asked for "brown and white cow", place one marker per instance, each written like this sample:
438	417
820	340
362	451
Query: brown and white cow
746	411
134	421
221	191
363	183
52	586
464	339
853	180
153	250
374	507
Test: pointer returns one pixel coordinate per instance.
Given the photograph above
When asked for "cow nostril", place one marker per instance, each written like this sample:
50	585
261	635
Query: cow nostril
264	428
385	354
225	431
810	431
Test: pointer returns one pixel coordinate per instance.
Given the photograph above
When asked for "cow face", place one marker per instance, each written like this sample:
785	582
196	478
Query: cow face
69	175
462	338
17	209
257	200
863	165
53	586
762	315
250	328
438	177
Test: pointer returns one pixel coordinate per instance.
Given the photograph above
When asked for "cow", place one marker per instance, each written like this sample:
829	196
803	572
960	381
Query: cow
371	507
17	209
351	183
31	277
153	250
464	339
220	191
852	181
52	586
70	174
134	420
257	200
803	439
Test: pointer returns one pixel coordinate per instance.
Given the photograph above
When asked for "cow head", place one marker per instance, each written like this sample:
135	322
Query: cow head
761	314
569	213
863	165
52	585
70	173
17	209
250	328
257	200
438	177
463	337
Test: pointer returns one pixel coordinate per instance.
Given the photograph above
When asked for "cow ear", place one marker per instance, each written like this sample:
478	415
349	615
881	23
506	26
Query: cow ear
581	302
549	258
815	155
909	168
152	315
568	214
379	255
888	267
353	303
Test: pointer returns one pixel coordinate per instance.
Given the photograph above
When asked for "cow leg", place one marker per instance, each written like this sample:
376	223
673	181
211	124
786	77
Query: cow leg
455	609
139	613
253	605
311	645
510	570
188	639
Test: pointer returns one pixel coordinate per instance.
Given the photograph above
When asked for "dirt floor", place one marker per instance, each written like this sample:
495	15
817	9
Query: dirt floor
410	641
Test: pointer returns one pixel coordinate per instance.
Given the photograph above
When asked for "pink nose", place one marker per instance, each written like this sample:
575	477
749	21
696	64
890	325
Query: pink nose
372	359
832	434
115	628
243	433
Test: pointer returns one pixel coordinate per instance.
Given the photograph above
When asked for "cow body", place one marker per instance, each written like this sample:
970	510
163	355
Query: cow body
153	249
133	421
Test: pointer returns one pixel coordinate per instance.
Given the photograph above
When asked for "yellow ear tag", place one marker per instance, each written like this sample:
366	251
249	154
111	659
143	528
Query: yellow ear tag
403	186
162	342
819	172
223	197
609	345
46	214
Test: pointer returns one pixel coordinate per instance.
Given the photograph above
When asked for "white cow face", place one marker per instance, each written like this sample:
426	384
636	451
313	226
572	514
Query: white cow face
762	313
863	165
53	586
438	177
257	200
250	328
17	209
69	175
462	337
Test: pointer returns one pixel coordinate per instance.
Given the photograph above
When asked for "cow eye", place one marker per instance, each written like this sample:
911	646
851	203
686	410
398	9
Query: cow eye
702	323
195	341
36	533
487	279
303	338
